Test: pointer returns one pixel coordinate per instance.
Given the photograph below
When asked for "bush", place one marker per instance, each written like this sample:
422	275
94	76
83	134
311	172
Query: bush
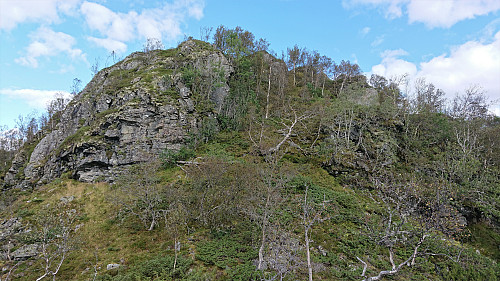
244	272
164	267
170	157
229	250
159	268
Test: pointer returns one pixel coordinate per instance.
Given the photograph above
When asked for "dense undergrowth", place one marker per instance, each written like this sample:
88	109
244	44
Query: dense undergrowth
297	176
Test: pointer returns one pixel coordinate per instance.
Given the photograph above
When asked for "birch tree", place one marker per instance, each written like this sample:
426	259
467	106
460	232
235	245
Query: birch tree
55	234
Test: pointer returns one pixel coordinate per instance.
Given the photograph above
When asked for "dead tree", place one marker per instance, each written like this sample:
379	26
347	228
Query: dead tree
312	213
55	233
288	131
410	221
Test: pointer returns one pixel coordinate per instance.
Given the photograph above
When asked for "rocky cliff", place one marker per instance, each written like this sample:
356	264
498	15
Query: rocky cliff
135	109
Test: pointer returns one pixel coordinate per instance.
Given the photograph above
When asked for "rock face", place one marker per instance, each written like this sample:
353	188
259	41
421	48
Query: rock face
9	227
129	112
10	232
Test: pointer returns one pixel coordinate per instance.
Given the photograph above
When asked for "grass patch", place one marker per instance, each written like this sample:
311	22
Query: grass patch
106	112
486	239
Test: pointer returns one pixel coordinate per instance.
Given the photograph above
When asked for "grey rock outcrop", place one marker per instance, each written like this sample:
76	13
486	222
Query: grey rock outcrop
10	232
25	252
129	112
9	227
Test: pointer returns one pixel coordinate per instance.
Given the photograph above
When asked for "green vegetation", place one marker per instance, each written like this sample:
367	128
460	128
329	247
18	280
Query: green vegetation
307	171
79	135
171	157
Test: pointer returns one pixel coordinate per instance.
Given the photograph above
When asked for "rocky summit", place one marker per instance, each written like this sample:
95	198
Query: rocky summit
140	106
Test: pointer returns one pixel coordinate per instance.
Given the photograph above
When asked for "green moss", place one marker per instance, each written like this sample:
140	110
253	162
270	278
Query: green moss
109	153
107	112
70	140
168	53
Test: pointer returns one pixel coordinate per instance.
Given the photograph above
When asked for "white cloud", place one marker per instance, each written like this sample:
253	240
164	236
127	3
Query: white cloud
116	28
47	42
63	69
378	40
38	99
15	12
392	66
435	13
496	110
195	9
109	44
490	29
469	64
446	13
365	31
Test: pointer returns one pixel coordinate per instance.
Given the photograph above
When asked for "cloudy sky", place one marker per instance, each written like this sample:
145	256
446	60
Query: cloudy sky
45	44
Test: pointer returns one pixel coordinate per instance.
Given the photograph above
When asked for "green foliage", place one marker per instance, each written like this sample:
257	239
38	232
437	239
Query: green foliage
8	197
198	274
6	157
243	272
23	213
473	267
486	239
164	267
314	91
190	75
158	268
242	99
169	158
229	250
208	129
234	43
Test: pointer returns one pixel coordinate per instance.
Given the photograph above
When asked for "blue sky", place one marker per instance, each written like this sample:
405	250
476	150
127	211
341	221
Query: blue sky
45	44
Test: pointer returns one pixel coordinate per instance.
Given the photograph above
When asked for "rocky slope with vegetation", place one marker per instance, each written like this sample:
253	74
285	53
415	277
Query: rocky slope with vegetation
139	107
220	161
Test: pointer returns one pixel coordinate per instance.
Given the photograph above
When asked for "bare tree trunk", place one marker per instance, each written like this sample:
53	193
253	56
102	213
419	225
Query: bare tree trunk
176	251
341	87
261	251
307	227
323	88
294	74
268	92
263	238
289	133
308	252
152	224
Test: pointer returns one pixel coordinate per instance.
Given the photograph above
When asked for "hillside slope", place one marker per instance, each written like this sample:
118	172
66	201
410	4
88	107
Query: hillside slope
222	162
